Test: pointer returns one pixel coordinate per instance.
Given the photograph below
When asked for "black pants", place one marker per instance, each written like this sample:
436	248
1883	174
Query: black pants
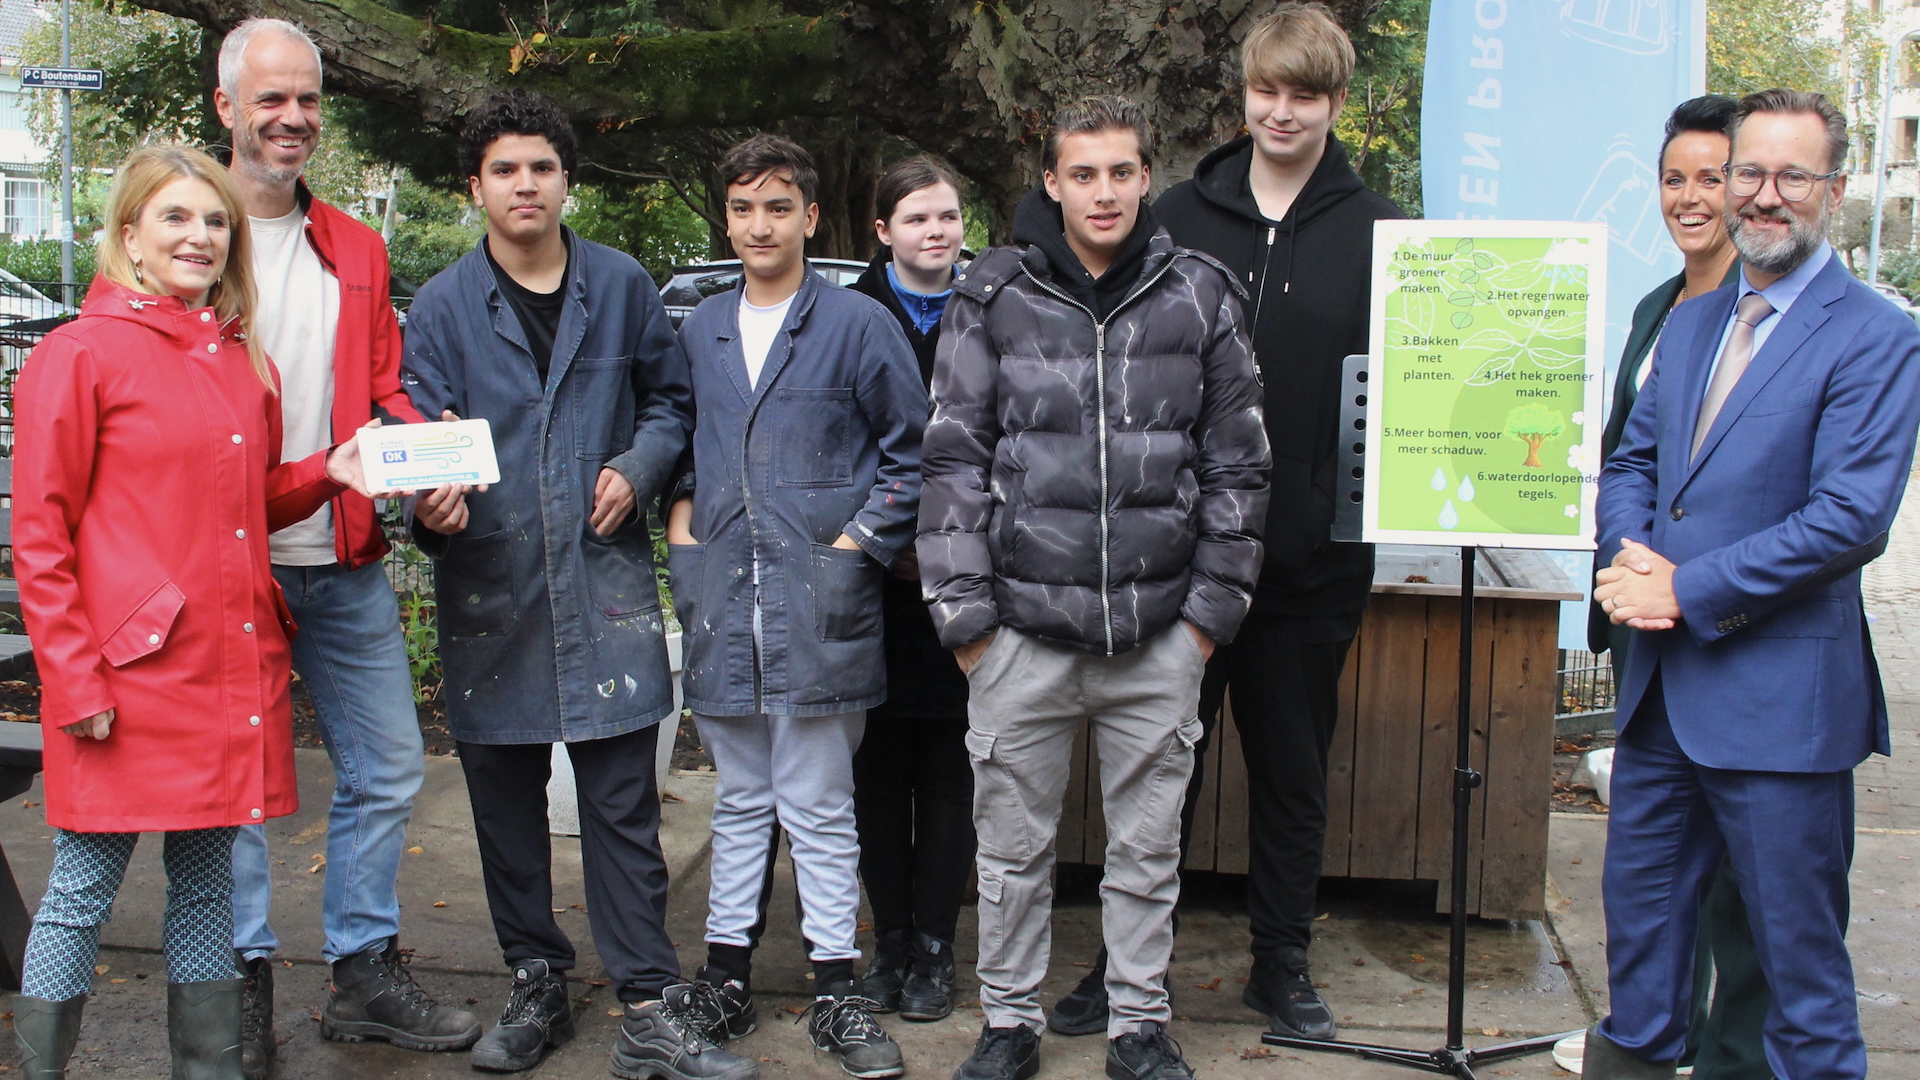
1286	702
913	796
626	875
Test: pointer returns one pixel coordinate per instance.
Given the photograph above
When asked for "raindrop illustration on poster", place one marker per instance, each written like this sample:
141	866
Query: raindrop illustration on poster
1449	517
1466	489
1439	481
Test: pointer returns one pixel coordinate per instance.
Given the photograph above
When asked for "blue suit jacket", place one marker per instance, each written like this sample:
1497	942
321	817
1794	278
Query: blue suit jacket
1792	492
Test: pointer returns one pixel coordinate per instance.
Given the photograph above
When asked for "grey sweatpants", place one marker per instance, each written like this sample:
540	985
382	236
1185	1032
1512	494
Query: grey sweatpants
796	773
1028	699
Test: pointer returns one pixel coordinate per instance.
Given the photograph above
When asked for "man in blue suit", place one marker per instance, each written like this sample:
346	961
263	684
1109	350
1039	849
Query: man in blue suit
1760	470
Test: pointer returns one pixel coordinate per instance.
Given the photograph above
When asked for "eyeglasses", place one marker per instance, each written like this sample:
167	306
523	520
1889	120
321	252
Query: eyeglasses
1792	184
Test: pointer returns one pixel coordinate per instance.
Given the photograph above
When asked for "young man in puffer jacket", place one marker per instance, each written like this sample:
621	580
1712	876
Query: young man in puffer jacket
1284	210
1094	483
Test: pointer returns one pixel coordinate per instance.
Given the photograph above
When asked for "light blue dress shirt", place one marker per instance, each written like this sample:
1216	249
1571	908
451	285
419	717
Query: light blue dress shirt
1781	294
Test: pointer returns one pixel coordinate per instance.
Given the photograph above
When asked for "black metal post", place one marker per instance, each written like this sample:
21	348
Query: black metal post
1454	1058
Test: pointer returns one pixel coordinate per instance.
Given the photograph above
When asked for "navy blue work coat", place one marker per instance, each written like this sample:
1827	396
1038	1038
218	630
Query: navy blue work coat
547	631
827	443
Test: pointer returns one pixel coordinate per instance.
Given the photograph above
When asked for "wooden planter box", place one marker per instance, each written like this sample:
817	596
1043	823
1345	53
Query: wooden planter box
1390	773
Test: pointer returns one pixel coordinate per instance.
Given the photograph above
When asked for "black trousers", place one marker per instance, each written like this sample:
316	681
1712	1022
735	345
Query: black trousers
913	798
1286	701
626	875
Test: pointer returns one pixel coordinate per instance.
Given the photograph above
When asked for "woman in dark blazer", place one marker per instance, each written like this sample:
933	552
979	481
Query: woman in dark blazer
1724	1042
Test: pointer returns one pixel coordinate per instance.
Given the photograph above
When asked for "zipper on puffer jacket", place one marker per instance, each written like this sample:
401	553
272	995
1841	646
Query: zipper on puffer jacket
1100	391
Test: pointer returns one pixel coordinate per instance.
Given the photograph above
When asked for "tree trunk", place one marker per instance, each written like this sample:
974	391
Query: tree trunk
975	81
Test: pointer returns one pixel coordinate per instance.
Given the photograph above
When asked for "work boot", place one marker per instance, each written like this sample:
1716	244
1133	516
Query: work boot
537	1017
1606	1060
1149	1054
841	1022
1084	1010
203	1029
887	977
46	1033
373	996
1009	1053
257	1043
720	1007
1282	988
928	994
655	1041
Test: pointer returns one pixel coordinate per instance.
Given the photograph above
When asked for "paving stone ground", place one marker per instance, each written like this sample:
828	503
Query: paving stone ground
1381	951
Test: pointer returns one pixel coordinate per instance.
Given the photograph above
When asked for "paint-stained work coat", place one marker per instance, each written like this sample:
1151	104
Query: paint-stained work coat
827	442
547	631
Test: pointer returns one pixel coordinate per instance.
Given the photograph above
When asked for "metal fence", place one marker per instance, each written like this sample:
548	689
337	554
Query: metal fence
1585	700
28	311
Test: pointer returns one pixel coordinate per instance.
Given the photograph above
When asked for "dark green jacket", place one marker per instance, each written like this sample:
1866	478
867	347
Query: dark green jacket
1648	320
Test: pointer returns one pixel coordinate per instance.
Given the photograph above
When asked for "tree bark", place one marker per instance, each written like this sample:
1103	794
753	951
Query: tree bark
975	81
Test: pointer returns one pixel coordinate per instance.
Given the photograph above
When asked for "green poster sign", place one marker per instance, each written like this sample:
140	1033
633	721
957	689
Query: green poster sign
1485	383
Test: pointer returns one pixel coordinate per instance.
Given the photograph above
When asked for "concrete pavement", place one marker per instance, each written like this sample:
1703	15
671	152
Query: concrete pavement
1380	951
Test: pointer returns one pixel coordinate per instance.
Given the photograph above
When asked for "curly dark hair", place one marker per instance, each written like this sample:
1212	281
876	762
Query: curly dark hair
516	112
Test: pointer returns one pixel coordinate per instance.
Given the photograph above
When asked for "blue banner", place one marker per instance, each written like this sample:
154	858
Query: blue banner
1552	110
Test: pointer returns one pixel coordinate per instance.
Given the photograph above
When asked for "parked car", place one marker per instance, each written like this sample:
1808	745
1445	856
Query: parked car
21	303
692	284
1892	294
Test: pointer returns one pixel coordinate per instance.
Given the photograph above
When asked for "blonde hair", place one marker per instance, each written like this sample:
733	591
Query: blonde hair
1299	45
138	179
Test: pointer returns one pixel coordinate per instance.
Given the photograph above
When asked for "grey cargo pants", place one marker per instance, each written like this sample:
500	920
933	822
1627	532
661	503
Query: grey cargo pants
1028	699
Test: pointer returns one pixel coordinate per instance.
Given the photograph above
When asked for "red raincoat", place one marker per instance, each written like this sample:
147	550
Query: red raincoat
146	477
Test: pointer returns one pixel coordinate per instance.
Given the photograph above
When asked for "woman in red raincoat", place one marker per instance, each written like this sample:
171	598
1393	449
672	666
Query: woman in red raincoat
147	477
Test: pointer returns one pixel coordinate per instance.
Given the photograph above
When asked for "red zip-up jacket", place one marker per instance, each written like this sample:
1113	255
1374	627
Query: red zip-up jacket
366	360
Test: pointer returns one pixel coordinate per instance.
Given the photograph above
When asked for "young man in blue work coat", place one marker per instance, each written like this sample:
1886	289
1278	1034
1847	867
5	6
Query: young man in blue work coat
803	491
549	610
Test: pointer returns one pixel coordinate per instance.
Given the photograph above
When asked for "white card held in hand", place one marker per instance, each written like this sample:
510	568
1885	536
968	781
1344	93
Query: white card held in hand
414	457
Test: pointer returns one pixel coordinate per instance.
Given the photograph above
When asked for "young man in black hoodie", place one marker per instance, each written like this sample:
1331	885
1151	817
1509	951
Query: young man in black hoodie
1283	209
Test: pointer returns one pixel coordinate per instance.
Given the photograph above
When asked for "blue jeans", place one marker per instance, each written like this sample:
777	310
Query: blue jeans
353	660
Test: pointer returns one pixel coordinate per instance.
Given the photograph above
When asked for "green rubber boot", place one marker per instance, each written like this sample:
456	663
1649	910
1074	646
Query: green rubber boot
46	1033
203	1029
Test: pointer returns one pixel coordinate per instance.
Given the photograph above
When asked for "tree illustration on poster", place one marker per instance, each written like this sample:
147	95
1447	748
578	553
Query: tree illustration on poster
1485	333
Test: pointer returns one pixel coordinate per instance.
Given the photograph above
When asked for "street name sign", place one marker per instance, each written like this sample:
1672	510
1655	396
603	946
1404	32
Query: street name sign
1485	383
63	78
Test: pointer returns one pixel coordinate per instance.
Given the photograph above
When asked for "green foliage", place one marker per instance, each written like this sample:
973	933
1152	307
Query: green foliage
1755	45
1381	123
648	222
420	250
38	262
154	91
419	616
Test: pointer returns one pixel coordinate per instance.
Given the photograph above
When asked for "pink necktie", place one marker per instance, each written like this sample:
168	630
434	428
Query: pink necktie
1733	363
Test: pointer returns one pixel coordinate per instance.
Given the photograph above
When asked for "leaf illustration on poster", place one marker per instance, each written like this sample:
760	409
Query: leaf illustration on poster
1485	367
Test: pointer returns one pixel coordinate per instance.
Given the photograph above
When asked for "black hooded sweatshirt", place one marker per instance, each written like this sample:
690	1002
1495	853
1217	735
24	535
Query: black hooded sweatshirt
1309	277
1039	222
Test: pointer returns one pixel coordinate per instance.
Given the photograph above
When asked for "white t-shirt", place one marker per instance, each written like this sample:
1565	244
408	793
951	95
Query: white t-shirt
758	327
299	311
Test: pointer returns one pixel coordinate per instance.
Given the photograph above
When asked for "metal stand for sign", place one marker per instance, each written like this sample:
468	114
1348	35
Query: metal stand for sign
1455	1058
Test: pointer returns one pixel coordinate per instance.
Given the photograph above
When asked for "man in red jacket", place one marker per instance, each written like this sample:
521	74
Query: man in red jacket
328	324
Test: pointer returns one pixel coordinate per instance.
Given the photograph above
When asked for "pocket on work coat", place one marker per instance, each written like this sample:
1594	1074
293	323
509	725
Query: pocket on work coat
813	437
476	580
846	593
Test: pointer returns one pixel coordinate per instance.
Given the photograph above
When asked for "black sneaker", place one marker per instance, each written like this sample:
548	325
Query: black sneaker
928	994
1009	1053
655	1042
1147	1055
1282	988
721	1008
373	996
537	1017
888	975
841	1022
1084	1010
257	1043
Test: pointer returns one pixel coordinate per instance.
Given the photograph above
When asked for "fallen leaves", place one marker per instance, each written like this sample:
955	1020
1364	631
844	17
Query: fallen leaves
102	969
1490	1032
1214	985
1256	1053
1359	961
439	903
416	850
319	863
